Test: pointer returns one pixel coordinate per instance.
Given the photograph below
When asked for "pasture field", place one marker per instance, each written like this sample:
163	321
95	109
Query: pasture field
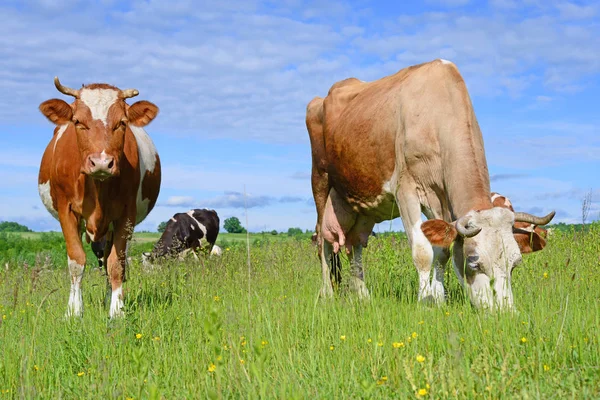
220	328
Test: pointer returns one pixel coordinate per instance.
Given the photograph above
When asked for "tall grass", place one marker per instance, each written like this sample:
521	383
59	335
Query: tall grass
193	330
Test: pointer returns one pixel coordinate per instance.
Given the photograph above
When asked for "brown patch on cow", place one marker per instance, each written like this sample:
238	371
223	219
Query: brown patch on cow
57	111
93	86
151	185
439	233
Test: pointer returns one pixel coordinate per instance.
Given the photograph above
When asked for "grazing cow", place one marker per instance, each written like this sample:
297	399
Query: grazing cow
192	230
530	237
100	172
401	146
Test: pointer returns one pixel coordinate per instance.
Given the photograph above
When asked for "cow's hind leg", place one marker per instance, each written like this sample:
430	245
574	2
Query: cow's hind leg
357	239
70	225
327	259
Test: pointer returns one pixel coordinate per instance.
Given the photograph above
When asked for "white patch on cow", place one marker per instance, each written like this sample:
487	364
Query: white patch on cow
192	226
91	235
99	101
44	190
422	254
173	219
201	226
59	134
446	61
147	161
216	250
391	186
75	306
495	196
116	303
481	292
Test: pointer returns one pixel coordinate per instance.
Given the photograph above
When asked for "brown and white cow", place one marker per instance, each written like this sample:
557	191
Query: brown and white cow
529	237
404	145
100	172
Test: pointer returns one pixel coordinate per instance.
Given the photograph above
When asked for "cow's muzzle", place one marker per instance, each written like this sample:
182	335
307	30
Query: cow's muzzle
101	166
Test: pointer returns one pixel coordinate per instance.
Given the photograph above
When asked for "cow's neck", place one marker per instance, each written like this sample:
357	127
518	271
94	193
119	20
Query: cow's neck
466	176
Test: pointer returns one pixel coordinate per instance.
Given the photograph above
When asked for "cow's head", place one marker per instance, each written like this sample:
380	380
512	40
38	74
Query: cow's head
100	117
485	251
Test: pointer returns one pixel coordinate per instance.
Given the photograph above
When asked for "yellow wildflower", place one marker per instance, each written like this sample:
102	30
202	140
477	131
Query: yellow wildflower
382	380
414	335
227	249
212	368
242	361
546	368
264	343
36	367
216	298
545	275
138	335
421	322
420	358
156	338
380	344
331	347
369	340
397	345
4	316
343	337
81	373
523	339
423	392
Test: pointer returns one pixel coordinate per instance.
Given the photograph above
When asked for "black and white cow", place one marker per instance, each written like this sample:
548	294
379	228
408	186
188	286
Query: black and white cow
189	231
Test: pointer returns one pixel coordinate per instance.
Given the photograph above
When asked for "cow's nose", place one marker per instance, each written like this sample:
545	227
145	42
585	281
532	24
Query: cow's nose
101	165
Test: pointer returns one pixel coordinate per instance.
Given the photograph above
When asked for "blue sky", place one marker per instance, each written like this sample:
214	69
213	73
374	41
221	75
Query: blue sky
232	80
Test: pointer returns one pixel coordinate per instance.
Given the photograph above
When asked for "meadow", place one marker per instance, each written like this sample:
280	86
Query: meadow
253	327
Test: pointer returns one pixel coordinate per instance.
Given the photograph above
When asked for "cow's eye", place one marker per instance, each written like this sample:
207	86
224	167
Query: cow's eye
120	125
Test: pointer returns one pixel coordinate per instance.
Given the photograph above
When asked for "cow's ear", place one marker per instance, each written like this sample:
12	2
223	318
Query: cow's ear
528	241
141	113
439	233
57	111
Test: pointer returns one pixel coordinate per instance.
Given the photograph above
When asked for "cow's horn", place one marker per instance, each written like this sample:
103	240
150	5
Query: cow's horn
461	227
532	219
65	90
127	93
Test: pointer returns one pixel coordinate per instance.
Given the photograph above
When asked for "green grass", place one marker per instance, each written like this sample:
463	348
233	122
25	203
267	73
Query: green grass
215	329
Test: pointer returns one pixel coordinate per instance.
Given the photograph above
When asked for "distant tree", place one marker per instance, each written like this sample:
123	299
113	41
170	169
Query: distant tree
294	232
273	232
9	226
233	225
162	226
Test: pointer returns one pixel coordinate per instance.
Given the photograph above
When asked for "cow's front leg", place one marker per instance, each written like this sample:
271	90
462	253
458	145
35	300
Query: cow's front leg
115	267
70	226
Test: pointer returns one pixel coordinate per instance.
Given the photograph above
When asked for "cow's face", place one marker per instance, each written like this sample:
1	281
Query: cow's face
485	253
486	260
100	118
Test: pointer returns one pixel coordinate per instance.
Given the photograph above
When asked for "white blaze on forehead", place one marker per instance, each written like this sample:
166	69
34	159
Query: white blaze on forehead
147	161
44	190
99	101
445	61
